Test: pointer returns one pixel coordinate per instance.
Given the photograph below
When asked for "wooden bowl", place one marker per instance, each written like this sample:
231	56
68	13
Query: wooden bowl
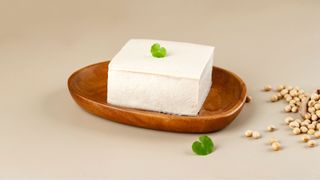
88	87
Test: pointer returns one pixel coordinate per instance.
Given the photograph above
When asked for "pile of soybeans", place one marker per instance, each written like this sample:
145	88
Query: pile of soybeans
308	106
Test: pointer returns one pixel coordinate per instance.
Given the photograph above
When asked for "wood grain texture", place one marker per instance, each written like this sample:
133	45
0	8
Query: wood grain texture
88	87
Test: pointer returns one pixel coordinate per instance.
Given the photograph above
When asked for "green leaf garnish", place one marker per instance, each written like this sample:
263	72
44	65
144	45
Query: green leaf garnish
158	51
204	146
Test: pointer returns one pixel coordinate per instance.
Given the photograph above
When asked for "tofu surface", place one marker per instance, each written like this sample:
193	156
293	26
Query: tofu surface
177	84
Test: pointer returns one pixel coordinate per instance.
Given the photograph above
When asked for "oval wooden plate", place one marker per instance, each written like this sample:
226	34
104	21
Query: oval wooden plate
88	87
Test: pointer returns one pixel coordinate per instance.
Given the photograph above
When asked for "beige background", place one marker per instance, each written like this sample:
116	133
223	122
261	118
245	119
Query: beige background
45	135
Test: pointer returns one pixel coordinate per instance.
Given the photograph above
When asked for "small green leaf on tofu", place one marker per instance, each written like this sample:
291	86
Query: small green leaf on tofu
158	51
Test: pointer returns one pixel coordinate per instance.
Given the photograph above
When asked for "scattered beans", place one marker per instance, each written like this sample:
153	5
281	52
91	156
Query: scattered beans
294	109
271	128
317	134
288	120
276	146
256	135
298	121
267	88
311	126
311	131
294	124
312	143
311	103
295	97
292	102
248	99
314	96
279	96
274	98
307	122
289	87
305	138
287	108
303	129
248	133
272	140
314	117
296	131
288	98
280	88
284	92
293	93
307	116
311	110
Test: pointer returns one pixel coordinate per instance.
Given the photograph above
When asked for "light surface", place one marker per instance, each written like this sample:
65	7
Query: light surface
45	135
184	60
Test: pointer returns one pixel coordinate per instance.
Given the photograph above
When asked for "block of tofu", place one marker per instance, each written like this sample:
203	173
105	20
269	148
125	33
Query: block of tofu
177	84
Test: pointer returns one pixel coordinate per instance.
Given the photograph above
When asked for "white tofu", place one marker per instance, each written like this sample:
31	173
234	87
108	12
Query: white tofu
177	84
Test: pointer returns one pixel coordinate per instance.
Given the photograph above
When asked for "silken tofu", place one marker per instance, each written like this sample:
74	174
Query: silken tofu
177	84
